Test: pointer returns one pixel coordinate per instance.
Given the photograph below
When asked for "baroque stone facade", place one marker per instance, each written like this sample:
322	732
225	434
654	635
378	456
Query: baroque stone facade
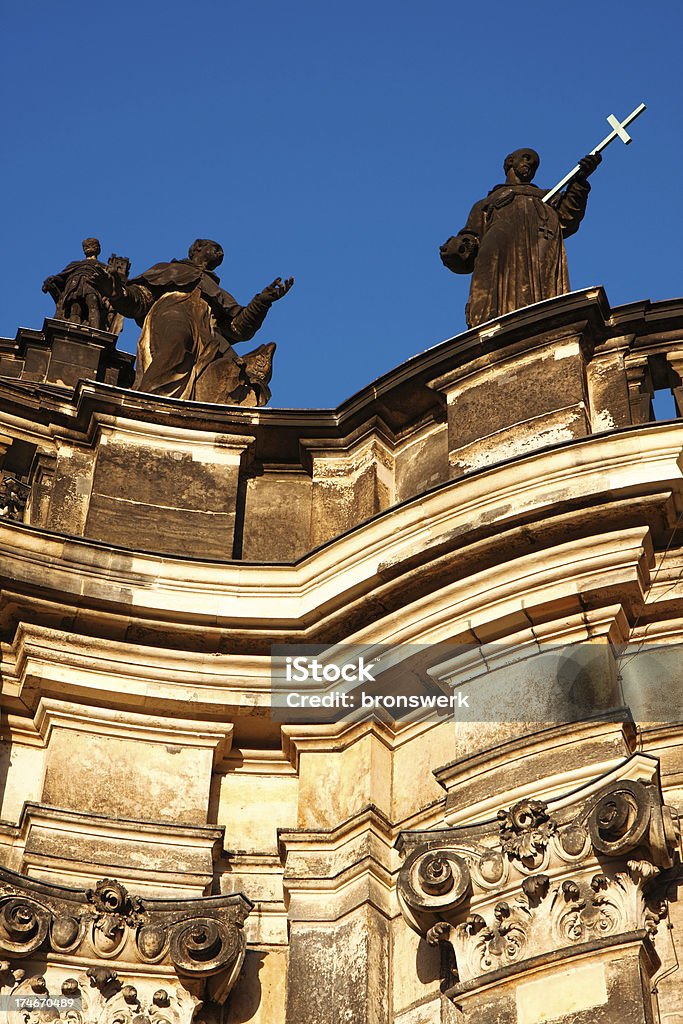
504	513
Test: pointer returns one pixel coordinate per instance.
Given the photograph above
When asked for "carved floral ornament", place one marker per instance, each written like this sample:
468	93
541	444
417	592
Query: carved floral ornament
195	939
533	883
97	996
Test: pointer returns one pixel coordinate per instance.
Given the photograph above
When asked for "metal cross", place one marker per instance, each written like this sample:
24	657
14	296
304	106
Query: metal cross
618	132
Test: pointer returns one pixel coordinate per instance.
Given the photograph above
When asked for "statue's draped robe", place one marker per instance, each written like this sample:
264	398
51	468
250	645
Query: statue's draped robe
521	257
188	323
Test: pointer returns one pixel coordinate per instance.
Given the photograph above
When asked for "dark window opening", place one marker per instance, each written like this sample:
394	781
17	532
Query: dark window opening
15	490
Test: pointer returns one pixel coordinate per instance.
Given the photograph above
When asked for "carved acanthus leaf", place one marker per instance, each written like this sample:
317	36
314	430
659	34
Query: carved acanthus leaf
526	829
96	997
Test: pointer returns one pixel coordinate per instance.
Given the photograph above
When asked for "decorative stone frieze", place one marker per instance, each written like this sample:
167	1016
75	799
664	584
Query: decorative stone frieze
96	996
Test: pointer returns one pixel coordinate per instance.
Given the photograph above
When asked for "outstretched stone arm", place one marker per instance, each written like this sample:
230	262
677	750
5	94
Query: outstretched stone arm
245	321
131	300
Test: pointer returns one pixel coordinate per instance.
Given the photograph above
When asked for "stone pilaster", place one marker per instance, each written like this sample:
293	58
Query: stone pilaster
339	886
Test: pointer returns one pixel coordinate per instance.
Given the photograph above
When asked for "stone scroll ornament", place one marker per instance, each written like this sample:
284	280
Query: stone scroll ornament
513	241
189	326
532	882
197	945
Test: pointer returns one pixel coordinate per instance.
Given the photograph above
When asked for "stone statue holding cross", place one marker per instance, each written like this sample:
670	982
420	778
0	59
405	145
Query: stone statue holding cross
513	242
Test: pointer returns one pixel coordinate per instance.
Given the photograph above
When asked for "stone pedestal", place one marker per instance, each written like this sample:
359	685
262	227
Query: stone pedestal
64	353
517	397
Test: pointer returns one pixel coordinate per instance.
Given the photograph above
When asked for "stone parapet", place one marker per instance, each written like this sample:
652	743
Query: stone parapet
62	354
157	474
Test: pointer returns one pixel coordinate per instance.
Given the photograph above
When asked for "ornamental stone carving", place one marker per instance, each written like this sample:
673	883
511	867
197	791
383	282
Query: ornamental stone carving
525	830
197	944
537	880
97	996
438	878
627	815
114	910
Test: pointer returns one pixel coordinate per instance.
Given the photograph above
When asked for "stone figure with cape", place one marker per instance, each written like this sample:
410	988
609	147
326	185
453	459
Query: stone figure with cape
189	324
76	298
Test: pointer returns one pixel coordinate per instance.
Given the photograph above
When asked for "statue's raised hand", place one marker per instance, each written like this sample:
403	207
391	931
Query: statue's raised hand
102	280
588	164
277	289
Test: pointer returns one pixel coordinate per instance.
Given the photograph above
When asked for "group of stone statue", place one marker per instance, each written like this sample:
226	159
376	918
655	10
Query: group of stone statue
512	244
188	322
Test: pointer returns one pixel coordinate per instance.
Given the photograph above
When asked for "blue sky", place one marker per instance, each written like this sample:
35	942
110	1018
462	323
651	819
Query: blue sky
340	143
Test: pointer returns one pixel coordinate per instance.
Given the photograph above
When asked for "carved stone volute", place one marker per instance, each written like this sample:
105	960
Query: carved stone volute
537	879
627	815
197	944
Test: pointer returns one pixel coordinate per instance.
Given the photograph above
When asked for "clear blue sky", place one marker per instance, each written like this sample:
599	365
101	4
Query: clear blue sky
341	143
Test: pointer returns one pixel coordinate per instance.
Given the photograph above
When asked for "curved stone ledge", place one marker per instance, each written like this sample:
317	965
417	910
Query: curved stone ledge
589	498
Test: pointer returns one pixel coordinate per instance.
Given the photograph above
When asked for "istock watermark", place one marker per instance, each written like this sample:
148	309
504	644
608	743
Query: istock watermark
316	684
28	1004
496	682
303	669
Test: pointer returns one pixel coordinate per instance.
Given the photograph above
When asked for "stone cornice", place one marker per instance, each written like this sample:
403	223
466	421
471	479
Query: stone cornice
614	723
70	847
432	528
400	397
225	596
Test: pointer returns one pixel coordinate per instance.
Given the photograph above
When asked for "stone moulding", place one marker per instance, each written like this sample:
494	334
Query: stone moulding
190	940
588	869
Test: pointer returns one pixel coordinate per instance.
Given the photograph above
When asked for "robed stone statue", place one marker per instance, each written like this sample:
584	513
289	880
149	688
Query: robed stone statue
189	324
513	242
